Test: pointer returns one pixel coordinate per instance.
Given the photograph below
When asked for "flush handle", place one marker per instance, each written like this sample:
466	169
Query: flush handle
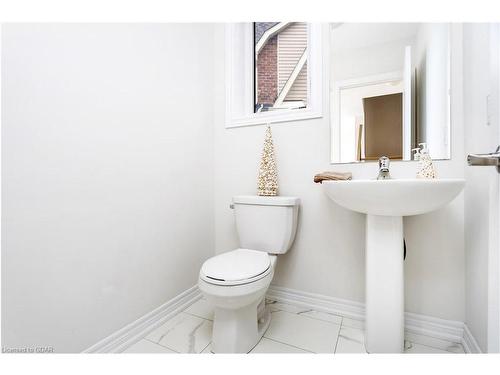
492	159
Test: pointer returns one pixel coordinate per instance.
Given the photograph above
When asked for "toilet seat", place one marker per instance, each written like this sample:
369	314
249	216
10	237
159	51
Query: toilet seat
237	267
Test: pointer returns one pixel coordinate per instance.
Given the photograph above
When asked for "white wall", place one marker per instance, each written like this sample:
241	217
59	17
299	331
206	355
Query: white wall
328	254
107	175
480	194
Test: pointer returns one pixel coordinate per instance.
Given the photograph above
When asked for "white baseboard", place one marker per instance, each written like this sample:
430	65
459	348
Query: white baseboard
133	332
469	342
318	302
429	328
423	326
441	329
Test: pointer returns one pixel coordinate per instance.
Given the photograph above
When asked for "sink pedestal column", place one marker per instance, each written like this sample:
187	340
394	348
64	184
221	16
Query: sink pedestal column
384	331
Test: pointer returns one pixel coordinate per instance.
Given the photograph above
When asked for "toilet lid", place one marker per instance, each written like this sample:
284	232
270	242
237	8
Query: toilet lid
236	265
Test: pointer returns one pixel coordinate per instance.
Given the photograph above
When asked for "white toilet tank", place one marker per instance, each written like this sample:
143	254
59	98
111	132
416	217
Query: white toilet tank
266	223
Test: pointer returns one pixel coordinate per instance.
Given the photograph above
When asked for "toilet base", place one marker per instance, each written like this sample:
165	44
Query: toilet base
238	331
264	321
240	315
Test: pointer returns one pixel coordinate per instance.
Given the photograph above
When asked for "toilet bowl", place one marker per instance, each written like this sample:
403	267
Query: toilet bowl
235	282
239	323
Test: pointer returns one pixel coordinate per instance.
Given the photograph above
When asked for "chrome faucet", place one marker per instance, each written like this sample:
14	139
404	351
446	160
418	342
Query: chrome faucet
383	168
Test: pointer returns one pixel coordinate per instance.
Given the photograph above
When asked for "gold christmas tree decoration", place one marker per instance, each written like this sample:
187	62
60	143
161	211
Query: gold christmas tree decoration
427	169
268	174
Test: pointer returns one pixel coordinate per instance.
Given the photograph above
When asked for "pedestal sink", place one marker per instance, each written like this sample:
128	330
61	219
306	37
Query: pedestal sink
385	202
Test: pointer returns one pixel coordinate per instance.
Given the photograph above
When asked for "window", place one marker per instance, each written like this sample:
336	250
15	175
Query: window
280	78
273	72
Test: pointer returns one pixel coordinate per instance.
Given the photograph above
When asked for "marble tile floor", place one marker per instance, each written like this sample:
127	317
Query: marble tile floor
293	329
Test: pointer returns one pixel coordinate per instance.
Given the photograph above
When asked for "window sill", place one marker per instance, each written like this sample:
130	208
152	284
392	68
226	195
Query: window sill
270	117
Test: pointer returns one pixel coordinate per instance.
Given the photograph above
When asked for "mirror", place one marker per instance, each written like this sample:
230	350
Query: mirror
390	90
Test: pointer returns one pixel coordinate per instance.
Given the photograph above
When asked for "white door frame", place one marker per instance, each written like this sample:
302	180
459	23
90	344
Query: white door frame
493	113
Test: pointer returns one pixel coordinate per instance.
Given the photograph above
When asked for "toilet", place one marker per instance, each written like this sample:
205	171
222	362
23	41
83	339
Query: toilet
235	282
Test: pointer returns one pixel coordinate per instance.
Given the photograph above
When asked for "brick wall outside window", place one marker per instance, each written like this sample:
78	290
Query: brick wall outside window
267	73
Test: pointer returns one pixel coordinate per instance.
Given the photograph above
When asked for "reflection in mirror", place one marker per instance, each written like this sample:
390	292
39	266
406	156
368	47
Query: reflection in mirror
390	90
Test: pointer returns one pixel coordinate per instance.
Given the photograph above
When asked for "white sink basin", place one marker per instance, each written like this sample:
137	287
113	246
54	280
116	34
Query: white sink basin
386	202
393	197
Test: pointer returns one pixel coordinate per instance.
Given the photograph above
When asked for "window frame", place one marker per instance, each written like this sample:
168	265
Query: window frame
239	79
